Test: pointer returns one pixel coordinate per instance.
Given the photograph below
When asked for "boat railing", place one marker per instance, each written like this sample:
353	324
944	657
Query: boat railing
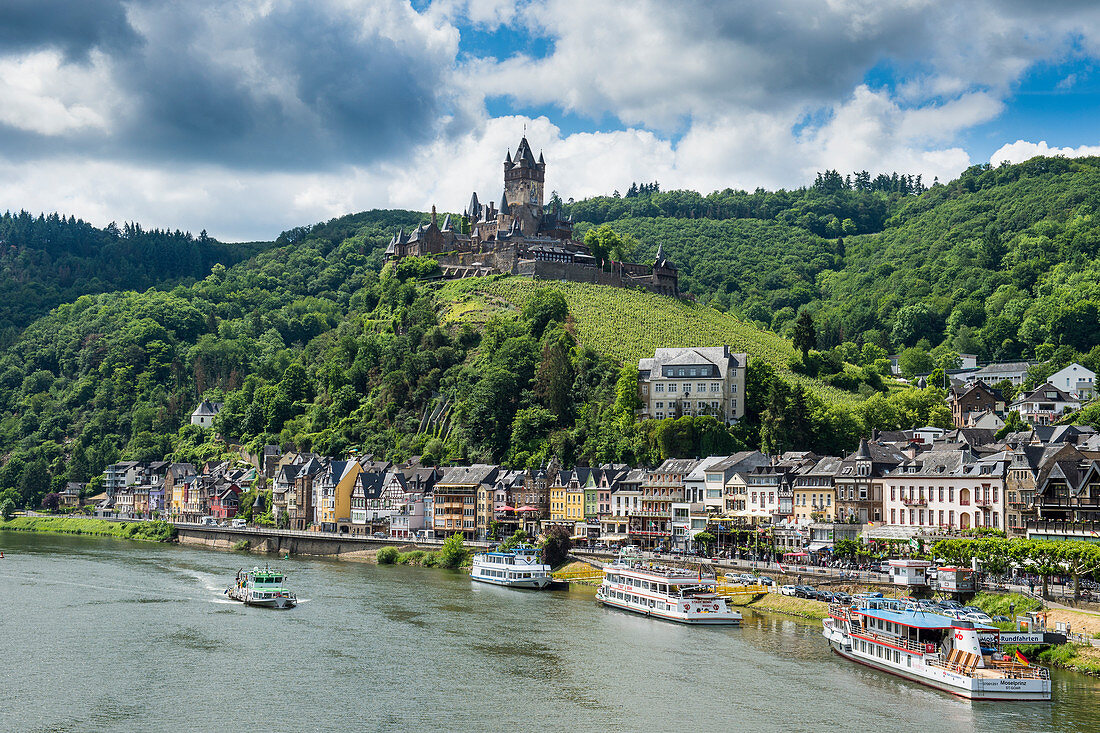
1009	670
916	647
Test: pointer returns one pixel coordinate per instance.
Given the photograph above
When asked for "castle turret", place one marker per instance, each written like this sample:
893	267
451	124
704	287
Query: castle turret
524	176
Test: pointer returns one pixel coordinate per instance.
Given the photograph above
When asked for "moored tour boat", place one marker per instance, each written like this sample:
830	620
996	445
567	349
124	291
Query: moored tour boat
263	588
672	594
518	567
941	652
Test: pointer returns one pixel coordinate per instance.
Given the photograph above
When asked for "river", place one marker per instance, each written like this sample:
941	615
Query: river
111	635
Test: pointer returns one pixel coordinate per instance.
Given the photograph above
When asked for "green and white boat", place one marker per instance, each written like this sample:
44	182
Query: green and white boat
264	588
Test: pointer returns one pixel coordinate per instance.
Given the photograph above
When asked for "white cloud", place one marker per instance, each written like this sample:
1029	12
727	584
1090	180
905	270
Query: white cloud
41	95
1022	150
246	117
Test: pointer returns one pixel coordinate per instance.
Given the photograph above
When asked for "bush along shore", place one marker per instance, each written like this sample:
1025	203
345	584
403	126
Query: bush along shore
453	554
146	531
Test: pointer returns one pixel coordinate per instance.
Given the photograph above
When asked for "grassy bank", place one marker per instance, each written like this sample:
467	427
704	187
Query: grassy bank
801	607
147	531
998	604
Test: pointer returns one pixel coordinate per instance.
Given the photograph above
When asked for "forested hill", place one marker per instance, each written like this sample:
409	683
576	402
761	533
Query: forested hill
1001	262
49	260
313	342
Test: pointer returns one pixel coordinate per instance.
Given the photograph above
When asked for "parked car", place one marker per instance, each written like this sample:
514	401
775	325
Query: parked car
950	604
208	522
380	535
764	580
805	591
979	617
841	597
1001	620
788	590
238	523
825	595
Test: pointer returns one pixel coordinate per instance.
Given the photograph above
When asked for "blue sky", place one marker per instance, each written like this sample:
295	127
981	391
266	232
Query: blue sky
247	117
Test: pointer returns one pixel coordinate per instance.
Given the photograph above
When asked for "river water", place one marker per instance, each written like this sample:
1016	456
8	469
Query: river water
110	635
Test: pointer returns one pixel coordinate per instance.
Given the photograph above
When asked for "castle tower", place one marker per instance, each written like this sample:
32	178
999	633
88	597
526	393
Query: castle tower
523	178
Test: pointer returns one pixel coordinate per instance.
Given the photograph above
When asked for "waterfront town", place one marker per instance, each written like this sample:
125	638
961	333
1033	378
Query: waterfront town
1042	481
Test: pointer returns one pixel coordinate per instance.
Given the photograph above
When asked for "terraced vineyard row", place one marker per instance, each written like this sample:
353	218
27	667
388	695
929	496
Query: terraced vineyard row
630	324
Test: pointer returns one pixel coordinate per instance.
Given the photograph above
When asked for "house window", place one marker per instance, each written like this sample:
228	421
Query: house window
715	387
951	518
941	494
659	387
893	516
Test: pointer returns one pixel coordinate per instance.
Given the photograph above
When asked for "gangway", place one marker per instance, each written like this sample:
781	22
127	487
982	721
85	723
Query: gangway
738	592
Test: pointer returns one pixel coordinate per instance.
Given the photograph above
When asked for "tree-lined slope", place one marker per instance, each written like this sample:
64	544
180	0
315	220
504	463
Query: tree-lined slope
628	324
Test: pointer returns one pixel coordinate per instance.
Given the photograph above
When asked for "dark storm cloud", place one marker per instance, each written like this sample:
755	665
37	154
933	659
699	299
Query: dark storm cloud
298	86
74	27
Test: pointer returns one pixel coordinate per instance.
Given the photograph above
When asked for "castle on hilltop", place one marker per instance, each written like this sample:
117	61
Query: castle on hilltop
523	238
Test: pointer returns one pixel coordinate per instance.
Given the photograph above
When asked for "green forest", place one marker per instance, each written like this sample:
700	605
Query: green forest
309	340
49	260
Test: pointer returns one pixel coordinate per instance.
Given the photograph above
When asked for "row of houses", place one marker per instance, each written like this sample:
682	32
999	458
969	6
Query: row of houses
174	491
977	405
899	485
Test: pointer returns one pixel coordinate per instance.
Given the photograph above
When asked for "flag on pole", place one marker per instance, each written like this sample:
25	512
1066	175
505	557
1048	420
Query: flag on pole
1021	658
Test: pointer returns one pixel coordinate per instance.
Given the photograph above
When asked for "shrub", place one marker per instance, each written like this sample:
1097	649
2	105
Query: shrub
413	557
387	556
242	546
453	553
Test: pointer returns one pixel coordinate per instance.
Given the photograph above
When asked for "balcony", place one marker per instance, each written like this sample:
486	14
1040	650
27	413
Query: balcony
915	501
1017	505
984	503
647	513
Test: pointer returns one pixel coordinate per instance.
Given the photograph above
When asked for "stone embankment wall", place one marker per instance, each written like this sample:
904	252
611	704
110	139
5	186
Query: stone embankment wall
281	541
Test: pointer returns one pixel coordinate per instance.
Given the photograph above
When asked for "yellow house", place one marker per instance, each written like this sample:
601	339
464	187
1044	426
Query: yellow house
335	491
815	492
176	487
557	502
574	504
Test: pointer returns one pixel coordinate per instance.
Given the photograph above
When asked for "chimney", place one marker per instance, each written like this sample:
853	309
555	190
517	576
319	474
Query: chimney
433	215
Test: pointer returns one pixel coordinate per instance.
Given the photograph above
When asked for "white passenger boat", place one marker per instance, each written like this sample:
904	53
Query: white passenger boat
934	650
672	594
264	588
519	567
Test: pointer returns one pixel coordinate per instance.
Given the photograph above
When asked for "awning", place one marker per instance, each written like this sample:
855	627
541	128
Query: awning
819	546
614	537
528	509
505	508
795	554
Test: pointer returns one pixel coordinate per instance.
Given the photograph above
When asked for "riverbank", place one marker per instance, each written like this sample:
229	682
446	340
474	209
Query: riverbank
144	531
801	607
